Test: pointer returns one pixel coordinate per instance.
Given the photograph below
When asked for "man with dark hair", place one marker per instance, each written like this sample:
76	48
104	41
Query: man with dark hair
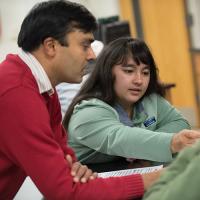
55	38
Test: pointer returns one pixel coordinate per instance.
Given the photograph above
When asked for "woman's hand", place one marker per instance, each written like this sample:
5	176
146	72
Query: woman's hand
183	139
80	172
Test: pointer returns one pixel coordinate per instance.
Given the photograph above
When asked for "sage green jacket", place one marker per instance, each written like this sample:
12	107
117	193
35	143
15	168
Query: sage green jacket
97	135
181	181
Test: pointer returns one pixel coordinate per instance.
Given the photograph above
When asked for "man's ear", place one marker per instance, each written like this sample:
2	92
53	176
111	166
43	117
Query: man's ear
49	46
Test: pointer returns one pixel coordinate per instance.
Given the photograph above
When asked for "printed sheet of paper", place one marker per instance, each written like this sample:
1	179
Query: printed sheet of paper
130	171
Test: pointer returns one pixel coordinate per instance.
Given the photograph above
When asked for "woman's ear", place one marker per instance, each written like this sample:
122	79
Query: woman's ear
49	46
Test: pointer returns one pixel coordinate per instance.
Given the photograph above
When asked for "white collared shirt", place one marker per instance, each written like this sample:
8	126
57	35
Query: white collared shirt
38	72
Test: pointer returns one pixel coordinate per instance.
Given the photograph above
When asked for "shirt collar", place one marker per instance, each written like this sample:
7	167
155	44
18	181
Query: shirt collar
123	116
138	117
38	72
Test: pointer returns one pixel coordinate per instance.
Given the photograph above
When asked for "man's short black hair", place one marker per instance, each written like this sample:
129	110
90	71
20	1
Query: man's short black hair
54	18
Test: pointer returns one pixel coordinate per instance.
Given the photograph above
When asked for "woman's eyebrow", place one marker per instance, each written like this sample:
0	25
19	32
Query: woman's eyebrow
129	65
133	65
146	67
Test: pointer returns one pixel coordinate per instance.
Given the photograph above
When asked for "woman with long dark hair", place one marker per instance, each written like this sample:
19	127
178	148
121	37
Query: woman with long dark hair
120	111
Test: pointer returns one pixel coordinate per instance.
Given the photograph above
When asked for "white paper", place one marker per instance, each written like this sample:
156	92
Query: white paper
126	172
28	191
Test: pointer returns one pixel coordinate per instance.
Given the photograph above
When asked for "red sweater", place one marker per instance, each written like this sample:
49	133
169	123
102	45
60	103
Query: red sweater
33	143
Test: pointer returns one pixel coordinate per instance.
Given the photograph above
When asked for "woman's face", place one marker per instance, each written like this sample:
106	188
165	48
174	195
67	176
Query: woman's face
131	82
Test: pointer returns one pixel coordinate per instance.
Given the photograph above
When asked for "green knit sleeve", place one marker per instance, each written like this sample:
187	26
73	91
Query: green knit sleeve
181	180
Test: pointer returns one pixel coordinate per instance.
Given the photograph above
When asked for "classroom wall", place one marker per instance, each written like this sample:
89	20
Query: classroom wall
194	26
126	13
12	12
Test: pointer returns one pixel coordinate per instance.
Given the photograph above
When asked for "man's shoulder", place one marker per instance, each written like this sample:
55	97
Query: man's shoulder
14	73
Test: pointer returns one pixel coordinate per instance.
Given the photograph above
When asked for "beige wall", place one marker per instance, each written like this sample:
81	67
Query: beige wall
127	14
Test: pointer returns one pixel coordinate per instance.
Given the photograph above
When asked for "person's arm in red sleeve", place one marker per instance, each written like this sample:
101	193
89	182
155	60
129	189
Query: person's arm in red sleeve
30	143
